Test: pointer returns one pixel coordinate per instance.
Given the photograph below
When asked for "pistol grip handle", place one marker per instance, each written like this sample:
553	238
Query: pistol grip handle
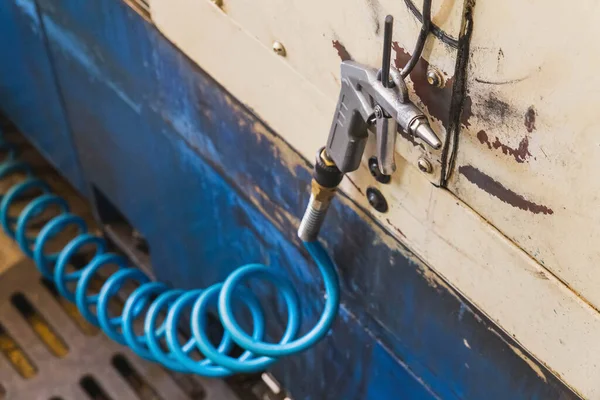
349	130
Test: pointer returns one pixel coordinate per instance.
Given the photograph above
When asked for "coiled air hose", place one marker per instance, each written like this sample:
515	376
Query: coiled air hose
152	301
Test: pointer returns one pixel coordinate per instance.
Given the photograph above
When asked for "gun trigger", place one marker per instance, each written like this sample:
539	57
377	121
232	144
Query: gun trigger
386	144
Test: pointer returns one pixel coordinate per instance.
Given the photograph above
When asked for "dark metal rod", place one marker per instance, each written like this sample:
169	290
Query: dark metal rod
387	50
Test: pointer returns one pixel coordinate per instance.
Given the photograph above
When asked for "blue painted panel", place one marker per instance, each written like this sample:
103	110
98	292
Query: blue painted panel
196	173
28	90
173	178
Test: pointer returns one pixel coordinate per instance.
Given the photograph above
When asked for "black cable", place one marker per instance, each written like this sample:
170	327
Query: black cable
435	30
387	51
425	29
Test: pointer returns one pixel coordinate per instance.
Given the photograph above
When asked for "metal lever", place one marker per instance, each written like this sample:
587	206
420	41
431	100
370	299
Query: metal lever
385	126
386	142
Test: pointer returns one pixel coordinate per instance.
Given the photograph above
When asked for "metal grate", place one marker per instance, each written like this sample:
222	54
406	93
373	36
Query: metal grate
48	352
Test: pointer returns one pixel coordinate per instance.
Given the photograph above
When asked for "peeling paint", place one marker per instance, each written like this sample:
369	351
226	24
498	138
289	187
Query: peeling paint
461	312
28	9
520	154
341	50
496	189
536	368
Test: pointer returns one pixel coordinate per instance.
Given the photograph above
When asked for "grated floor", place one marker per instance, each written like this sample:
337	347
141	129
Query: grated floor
48	352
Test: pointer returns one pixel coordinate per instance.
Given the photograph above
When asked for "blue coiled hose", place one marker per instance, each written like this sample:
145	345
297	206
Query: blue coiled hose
152	301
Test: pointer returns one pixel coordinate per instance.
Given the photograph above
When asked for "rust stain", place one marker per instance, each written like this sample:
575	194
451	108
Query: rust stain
496	189
395	228
436	99
530	119
341	50
483	138
520	154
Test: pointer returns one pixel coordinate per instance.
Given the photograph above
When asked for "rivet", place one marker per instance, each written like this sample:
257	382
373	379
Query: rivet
435	77
376	200
279	49
425	165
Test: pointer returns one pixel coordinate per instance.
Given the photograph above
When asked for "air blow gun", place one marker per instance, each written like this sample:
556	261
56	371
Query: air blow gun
367	97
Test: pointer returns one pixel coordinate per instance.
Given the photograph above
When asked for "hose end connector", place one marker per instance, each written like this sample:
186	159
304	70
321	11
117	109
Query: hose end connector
326	179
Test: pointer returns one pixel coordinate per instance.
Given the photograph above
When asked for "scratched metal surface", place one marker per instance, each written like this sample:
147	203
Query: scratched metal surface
529	155
27	83
168	146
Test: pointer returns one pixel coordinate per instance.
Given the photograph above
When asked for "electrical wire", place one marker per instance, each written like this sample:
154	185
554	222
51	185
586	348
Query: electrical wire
425	29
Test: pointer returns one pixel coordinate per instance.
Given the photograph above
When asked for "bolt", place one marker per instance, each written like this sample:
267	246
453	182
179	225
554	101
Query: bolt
425	165
376	172
378	112
376	200
278	48
435	77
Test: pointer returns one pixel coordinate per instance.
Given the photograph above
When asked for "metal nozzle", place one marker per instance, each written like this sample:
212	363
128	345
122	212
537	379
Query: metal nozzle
313	218
421	129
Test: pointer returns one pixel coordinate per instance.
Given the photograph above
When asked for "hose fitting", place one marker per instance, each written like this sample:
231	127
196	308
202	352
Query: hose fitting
326	179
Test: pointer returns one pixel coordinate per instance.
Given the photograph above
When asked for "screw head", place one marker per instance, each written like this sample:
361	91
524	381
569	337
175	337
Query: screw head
376	200
425	165
435	77
279	49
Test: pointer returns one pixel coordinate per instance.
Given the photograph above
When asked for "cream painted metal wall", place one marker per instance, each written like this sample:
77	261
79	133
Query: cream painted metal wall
516	229
535	131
